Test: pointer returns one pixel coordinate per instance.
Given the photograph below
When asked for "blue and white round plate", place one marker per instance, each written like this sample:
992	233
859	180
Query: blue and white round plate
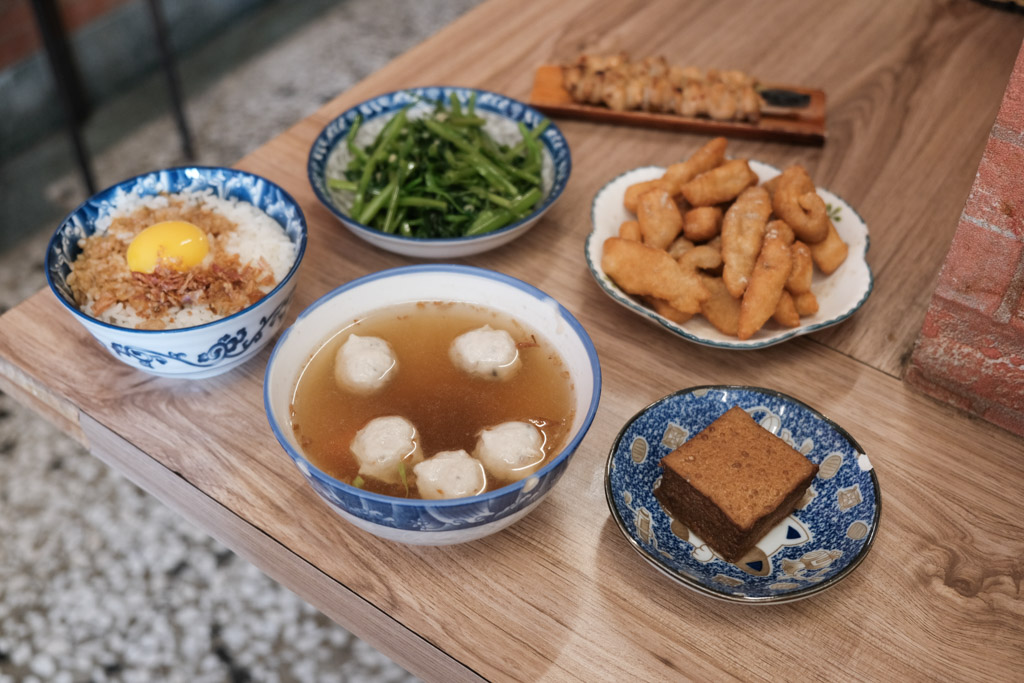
328	158
819	544
839	294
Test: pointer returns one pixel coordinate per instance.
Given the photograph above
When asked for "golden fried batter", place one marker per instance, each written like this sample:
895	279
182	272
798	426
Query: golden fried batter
720	184
830	253
796	202
644	271
742	232
766	284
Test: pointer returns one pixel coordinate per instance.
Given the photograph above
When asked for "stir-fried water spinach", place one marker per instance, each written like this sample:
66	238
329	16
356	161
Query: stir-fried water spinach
442	175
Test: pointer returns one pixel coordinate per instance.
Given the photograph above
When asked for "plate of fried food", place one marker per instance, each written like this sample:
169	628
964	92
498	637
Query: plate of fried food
729	253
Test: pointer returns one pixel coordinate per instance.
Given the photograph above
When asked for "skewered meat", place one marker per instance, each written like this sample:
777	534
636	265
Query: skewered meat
652	84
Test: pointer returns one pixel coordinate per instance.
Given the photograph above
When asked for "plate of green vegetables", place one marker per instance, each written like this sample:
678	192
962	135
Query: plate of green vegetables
439	172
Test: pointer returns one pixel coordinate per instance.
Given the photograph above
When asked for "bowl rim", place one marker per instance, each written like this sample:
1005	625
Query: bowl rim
439	241
102	194
696	586
452	269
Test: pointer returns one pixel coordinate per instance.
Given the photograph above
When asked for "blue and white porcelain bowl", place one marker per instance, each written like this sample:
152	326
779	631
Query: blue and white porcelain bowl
328	158
417	521
815	547
191	352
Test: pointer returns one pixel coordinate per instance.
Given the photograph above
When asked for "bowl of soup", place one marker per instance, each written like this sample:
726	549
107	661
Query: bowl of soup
433	404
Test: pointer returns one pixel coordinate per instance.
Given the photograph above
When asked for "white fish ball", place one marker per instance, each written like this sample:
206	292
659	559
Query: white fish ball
510	450
450	474
382	444
486	352
364	364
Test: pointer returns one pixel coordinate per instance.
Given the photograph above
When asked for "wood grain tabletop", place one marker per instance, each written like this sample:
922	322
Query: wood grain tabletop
913	88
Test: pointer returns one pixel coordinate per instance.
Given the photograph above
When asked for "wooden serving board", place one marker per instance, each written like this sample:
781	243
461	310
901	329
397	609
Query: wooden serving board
805	125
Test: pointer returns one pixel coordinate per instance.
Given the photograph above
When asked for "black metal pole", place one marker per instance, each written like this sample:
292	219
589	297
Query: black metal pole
173	85
69	83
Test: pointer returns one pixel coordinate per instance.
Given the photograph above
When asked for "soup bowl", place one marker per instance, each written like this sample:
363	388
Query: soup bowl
412	520
188	352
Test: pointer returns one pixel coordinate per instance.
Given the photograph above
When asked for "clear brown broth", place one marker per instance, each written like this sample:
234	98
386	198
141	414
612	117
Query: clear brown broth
447	406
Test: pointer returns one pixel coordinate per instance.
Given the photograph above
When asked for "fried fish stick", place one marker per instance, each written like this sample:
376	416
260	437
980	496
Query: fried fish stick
766	284
785	313
796	202
720	184
803	269
646	271
771	185
830	253
631	198
720	308
679	246
702	223
665	310
659	218
805	303
785	232
630	230
710	156
701	256
742	233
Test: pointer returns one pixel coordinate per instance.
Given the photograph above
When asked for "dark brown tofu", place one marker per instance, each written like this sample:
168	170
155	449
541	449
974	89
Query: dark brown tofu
732	482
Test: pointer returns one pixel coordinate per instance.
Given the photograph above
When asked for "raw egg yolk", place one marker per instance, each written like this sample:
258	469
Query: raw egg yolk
173	244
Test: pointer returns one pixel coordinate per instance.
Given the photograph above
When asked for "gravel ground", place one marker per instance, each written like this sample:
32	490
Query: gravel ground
100	582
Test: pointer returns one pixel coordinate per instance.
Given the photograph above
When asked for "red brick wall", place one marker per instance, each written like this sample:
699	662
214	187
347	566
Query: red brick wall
19	36
970	352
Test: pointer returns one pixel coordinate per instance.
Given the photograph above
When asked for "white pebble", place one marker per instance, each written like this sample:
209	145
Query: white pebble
21	654
43	666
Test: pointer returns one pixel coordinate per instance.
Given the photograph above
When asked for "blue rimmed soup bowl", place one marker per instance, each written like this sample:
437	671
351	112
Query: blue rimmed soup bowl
412	520
329	156
202	350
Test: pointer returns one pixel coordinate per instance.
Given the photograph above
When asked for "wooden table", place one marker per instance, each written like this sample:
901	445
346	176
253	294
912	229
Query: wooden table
913	88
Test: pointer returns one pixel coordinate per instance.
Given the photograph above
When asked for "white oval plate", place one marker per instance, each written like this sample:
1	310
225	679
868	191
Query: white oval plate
839	294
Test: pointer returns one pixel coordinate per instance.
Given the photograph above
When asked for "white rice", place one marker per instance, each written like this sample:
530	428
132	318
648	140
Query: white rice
256	235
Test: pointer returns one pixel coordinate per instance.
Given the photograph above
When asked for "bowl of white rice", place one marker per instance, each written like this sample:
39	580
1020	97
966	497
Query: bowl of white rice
185	272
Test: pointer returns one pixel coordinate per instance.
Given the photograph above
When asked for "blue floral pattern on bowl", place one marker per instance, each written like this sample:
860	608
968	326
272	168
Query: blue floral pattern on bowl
192	352
399	515
811	550
503	114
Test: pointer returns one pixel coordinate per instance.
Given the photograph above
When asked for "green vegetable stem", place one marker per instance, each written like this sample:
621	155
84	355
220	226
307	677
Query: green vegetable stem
442	174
